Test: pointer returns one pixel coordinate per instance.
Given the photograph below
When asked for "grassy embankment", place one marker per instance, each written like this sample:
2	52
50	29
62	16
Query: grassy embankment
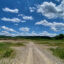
6	50
57	46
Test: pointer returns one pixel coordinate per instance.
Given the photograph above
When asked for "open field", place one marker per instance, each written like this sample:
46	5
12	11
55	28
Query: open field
32	51
6	50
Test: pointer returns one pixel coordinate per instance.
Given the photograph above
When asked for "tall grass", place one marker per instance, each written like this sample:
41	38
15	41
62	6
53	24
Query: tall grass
59	52
6	50
57	46
50	42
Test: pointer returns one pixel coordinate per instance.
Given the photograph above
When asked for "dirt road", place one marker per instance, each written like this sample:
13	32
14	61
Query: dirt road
32	54
38	56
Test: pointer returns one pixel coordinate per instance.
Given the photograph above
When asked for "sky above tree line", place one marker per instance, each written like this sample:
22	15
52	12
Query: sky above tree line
31	17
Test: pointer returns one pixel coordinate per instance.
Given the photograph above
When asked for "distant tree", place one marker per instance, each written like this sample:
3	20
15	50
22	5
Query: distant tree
61	36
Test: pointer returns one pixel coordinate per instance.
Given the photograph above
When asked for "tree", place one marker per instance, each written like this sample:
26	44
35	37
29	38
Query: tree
61	36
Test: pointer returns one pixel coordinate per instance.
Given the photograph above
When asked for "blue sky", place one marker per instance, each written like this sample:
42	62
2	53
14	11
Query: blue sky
31	17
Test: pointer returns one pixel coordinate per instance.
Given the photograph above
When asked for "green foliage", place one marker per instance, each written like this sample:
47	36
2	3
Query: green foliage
59	52
5	48
18	44
57	46
51	42
60	36
8	53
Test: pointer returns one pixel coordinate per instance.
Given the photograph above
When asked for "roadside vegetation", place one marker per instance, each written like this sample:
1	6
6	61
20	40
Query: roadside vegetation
6	49
59	52
55	44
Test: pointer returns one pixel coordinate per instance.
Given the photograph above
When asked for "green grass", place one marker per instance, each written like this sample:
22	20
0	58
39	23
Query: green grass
18	44
6	50
8	53
51	42
59	52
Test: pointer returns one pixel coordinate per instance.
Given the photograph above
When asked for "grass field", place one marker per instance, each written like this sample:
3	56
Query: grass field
6	50
59	52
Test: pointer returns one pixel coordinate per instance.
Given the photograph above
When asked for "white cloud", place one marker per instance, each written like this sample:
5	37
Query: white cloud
6	33
55	26
11	19
23	21
32	9
16	24
25	29
20	15
45	33
26	17
58	0
10	10
8	29
33	33
51	10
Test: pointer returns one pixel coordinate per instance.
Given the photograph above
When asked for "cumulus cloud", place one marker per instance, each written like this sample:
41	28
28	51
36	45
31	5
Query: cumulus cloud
11	19
10	10
6	33
8	29
45	33
21	15
32	9
25	29
58	0
33	33
55	26
16	24
51	10
26	17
